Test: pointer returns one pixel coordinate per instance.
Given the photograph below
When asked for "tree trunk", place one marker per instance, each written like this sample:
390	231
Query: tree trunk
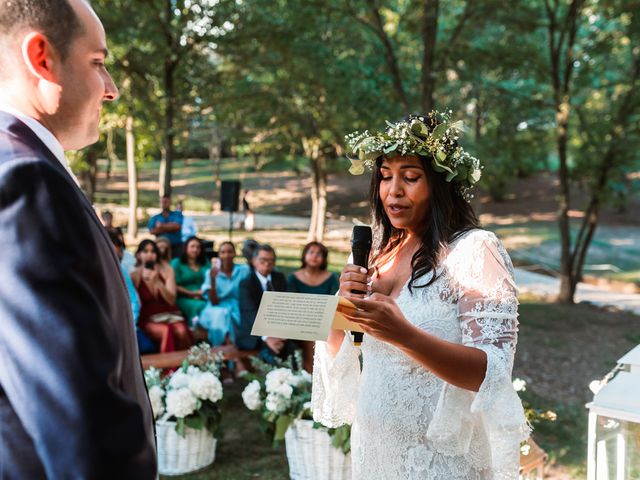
132	229
112	156
167	151
321	192
429	33
311	148
567	282
561	53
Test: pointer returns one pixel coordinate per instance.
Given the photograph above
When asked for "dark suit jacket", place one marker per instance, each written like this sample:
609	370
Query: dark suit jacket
73	403
250	296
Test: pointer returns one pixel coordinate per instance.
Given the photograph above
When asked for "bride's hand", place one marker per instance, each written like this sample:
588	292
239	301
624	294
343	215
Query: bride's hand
354	277
380	317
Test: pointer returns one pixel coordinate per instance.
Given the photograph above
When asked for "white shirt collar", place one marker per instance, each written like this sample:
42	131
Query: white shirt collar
50	141
263	279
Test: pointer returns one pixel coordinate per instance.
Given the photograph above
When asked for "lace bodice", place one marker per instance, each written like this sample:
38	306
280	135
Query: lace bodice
410	424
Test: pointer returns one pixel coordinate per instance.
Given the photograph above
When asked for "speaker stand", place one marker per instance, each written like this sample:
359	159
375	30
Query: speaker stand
230	226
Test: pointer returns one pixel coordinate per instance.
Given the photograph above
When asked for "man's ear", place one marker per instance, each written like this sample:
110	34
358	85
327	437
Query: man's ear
39	56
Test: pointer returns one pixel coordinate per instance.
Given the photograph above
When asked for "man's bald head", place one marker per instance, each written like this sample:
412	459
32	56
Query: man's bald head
55	19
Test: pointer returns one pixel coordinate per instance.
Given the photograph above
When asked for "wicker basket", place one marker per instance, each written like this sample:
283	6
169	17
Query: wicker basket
311	455
178	455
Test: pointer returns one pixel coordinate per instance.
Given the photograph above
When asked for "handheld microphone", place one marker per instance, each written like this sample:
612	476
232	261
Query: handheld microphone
360	249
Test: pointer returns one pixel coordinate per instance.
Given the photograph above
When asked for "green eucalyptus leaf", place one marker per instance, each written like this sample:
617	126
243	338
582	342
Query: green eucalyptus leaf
180	427
441	156
420	129
451	176
439	131
194	421
390	148
357	167
459	125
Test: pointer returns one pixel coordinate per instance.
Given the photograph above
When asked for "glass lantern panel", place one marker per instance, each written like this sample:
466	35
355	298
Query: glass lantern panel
617	449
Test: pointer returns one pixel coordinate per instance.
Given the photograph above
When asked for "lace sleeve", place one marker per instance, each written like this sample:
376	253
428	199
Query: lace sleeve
335	384
482	277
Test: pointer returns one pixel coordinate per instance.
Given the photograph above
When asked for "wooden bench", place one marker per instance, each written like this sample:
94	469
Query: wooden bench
175	359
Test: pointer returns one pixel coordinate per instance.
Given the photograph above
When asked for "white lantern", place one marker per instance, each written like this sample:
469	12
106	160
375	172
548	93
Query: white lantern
614	425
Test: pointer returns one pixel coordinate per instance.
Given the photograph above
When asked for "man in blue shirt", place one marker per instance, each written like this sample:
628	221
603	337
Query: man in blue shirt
168	224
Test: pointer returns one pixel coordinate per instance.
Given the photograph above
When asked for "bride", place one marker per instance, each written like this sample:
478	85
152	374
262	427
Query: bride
432	397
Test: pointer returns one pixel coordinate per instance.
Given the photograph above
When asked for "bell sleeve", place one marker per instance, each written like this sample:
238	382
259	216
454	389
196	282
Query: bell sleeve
483	281
336	382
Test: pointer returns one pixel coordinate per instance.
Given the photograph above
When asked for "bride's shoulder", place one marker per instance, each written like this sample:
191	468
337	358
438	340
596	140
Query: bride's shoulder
472	239
470	245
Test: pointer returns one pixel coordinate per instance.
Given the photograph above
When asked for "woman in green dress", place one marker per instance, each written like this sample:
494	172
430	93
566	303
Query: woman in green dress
313	277
190	269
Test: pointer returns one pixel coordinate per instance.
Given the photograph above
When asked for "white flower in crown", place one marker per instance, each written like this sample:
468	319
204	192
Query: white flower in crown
276	403
519	385
181	403
251	395
206	386
278	377
157	404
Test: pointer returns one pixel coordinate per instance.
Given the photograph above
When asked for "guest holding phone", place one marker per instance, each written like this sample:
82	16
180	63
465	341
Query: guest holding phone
160	318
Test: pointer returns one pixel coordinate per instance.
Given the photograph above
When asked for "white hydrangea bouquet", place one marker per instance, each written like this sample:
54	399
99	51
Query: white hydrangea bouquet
281	394
190	396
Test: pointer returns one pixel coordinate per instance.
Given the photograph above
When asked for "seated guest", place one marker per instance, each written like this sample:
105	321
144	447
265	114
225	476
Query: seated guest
222	286
160	318
190	269
313	277
164	247
145	345
128	261
263	277
248	247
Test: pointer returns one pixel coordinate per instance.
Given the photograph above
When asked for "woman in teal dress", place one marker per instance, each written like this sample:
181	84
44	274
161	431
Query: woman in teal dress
313	277
222	286
190	269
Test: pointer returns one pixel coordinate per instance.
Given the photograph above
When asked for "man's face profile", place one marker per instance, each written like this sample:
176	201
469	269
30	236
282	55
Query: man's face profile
85	82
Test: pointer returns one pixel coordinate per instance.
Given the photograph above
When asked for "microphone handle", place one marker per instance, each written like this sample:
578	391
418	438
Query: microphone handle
360	258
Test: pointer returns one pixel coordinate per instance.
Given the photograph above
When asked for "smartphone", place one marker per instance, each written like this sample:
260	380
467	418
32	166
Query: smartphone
150	265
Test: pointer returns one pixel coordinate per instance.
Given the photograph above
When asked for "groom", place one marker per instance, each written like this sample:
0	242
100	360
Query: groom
73	402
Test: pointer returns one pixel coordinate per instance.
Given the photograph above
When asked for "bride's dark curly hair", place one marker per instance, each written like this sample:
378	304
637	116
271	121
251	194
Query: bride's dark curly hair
448	216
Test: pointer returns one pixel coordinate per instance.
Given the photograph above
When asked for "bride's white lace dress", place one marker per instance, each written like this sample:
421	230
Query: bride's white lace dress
408	423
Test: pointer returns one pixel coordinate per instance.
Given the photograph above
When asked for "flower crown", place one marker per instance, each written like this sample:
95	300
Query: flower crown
432	136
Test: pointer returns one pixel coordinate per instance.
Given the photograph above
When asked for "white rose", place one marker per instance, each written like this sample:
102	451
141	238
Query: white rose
276	403
519	385
251	395
285	390
277	377
181	403
155	396
179	379
301	377
206	386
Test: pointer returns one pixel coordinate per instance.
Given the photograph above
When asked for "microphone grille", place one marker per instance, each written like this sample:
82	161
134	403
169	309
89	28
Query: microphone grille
361	236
